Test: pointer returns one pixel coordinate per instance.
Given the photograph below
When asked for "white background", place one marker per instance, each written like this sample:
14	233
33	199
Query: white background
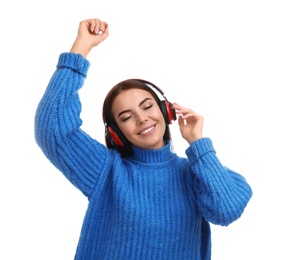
221	58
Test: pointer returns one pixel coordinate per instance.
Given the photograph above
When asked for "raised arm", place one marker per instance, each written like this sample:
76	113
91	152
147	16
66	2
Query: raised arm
57	121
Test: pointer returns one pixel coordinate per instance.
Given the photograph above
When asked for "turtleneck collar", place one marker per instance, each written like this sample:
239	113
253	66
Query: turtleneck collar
153	156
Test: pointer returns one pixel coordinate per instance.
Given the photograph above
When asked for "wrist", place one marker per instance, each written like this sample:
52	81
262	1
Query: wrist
194	138
80	47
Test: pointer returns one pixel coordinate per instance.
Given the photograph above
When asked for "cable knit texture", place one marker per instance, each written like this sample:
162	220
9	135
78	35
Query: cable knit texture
152	205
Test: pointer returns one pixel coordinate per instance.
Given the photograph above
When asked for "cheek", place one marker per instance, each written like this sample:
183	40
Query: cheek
126	129
159	115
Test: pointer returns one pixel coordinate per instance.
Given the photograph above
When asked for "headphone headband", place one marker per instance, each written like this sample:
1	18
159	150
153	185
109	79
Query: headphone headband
152	86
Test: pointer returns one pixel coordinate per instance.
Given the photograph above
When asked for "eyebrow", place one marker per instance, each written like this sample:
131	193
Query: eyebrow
128	110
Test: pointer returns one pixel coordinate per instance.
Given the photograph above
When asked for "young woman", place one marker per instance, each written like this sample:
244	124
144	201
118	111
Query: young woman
145	202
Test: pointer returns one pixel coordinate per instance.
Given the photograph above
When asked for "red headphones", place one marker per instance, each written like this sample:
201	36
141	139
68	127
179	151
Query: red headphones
116	138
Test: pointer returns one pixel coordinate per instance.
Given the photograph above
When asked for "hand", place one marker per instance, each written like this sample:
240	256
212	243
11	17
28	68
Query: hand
190	123
91	32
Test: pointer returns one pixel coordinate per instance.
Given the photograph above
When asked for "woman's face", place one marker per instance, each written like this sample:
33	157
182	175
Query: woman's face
139	118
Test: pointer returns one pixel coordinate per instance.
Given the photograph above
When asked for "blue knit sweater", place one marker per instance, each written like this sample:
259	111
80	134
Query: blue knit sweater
152	205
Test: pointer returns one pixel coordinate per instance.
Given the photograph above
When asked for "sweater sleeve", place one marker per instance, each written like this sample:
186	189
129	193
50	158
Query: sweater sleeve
57	126
222	194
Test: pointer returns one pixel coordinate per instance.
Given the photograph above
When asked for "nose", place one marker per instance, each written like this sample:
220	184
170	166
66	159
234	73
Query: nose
141	118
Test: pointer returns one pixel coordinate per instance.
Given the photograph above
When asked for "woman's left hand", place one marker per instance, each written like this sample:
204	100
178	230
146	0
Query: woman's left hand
190	123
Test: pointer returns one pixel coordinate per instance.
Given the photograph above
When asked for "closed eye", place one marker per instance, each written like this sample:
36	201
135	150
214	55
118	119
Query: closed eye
147	107
125	119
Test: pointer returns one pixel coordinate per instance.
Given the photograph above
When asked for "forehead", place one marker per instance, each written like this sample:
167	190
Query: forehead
130	97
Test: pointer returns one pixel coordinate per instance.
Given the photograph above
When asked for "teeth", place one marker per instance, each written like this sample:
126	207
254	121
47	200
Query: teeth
147	130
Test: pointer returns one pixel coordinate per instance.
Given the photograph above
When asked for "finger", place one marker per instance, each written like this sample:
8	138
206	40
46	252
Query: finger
176	106
181	121
193	119
103	26
97	26
181	110
184	111
91	23
189	114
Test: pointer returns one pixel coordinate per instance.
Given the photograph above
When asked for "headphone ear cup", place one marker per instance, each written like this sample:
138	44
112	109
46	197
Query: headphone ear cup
168	112
115	137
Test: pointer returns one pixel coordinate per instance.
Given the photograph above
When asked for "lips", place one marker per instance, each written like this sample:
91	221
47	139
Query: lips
147	130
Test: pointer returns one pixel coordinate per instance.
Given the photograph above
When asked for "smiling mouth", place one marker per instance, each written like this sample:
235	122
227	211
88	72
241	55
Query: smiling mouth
146	131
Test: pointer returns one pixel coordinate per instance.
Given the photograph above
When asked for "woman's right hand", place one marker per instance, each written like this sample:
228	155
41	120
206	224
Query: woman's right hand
91	32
